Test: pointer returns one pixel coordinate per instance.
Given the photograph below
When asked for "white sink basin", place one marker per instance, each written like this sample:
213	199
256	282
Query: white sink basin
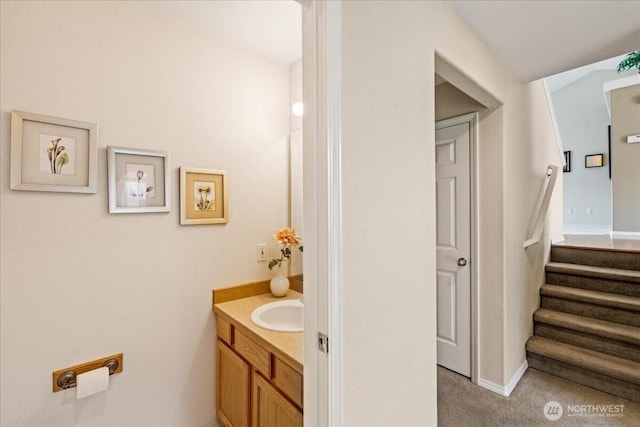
282	316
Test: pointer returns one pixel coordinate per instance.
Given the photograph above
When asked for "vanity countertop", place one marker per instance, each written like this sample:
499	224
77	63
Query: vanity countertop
287	345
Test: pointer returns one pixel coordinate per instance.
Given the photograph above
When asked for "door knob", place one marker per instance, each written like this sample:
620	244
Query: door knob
462	262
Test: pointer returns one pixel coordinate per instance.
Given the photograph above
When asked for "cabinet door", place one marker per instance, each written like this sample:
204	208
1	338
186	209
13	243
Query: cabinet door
233	395
270	408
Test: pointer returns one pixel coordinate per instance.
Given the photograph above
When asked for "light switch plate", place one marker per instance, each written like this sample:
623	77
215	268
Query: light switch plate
262	252
632	139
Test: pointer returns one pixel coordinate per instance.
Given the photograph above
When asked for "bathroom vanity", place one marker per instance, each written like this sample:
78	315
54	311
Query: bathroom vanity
259	373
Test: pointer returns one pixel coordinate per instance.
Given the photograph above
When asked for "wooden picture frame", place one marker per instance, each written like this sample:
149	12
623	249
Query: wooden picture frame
204	196
138	180
53	154
594	161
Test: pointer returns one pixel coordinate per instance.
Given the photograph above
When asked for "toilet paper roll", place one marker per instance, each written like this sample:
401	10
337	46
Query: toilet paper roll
92	382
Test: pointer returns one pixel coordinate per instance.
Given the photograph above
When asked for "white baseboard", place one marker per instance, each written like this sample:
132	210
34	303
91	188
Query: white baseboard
491	386
585	229
505	390
516	377
632	234
557	239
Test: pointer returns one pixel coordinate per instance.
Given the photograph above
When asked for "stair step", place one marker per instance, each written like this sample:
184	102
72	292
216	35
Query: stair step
598	257
594	284
592	297
598	381
605	364
598	305
601	328
599	335
617	274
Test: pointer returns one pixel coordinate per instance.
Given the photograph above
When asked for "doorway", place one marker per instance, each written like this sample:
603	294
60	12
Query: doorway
459	99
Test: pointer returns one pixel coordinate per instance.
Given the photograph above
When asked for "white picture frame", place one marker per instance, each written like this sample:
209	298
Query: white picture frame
138	180
53	154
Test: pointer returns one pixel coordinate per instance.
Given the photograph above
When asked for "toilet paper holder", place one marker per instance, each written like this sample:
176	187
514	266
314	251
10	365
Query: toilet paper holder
66	378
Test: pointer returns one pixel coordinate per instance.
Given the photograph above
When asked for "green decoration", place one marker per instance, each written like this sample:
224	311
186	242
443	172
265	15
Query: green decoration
631	61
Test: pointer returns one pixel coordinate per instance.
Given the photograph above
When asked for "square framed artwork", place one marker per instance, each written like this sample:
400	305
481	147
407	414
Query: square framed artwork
204	196
138	180
53	154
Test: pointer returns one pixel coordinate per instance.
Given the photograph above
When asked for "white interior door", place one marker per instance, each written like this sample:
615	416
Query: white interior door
453	202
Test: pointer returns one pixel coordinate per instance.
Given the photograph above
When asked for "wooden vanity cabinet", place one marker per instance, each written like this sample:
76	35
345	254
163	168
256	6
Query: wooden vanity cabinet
233	392
254	387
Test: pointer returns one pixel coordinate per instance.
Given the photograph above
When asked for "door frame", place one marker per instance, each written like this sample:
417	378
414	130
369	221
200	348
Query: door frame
472	119
322	183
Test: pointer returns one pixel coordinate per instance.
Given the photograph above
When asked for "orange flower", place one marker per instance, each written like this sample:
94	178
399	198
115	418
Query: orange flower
287	237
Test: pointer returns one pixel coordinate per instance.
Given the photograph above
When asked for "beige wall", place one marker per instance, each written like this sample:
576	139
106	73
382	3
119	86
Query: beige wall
388	341
625	177
491	236
524	272
78	283
452	102
388	276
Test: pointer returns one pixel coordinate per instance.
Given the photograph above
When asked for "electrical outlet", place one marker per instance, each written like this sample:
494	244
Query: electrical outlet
262	252
589	211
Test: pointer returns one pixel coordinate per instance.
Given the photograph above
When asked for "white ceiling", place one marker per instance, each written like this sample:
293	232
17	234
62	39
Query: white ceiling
533	38
272	28
536	39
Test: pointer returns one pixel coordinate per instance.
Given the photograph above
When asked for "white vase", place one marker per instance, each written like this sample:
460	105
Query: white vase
279	285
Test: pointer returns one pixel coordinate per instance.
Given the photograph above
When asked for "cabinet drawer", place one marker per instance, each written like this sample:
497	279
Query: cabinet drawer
288	380
255	354
224	329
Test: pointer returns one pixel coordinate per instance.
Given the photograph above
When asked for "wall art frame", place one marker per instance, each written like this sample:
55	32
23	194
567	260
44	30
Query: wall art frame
567	162
594	161
138	180
204	196
53	154
609	148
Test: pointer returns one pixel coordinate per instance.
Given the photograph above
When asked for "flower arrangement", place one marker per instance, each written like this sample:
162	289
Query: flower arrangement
288	238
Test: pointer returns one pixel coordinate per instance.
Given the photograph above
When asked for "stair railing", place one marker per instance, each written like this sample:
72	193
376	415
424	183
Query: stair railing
536	223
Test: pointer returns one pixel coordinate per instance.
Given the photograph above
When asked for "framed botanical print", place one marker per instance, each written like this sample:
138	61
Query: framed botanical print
138	180
53	154
203	196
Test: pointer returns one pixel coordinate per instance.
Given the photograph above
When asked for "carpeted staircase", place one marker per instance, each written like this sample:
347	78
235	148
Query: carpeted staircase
587	329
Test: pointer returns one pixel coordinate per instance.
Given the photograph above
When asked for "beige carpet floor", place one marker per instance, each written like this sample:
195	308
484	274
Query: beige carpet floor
462	403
